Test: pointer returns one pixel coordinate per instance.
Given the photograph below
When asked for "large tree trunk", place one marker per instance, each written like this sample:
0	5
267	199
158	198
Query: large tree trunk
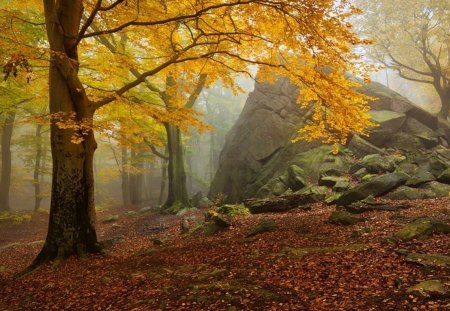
37	168
162	190
5	183
177	176
71	227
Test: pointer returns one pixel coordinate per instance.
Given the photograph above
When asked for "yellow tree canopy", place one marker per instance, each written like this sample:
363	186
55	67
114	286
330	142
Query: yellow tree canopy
220	39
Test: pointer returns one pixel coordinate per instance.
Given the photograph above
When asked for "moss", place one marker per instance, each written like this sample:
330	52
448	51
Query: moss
14	217
428	287
176	207
234	210
343	218
421	228
262	227
428	260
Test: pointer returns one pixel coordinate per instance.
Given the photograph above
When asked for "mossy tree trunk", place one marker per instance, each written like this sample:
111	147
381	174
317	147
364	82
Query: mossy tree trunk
5	183
176	171
444	96
71	229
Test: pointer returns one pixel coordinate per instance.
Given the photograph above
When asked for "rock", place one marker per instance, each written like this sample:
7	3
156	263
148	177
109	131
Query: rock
388	120
296	179
342	185
343	218
435	166
111	218
145	209
262	227
361	147
233	210
420	177
280	204
377	163
375	187
445	176
408	193
439	189
422	227
406	168
220	220
428	260
404	142
330	181
332	197
314	193
428	288
360	172
368	205
204	203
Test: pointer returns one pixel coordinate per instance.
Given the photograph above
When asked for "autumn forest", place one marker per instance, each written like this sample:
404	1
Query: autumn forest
225	155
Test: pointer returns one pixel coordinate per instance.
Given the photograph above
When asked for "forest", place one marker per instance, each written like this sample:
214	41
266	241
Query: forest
225	155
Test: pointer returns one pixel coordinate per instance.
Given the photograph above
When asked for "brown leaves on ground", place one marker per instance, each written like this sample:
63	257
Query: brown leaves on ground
306	264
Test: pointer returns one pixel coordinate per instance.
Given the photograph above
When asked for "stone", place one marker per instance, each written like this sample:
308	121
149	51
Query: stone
330	181
444	177
408	193
439	189
428	288
388	119
435	166
111	218
296	179
233	210
428	260
420	228
342	185
301	252
343	218
361	147
315	193
375	187
263	227
420	177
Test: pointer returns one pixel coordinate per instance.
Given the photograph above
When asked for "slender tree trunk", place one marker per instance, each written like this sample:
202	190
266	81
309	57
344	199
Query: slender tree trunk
177	176
37	168
164	168
5	183
71	229
125	178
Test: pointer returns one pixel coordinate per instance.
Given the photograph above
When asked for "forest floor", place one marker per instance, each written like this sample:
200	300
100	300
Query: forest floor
306	264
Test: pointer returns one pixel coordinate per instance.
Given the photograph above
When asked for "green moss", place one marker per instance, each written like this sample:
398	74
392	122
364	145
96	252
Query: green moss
234	210
14	217
429	260
428	287
421	228
262	227
343	218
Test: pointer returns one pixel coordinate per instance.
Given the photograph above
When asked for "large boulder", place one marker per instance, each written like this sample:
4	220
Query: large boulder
260	160
374	187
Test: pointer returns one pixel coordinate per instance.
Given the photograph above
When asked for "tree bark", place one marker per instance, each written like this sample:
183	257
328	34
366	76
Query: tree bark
71	229
125	178
37	168
177	175
164	168
445	103
5	183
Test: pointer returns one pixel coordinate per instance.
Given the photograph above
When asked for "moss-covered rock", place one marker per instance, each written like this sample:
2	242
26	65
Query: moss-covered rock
408	193
315	193
421	228
444	176
262	227
428	260
420	177
375	187
233	210
428	288
111	218
343	218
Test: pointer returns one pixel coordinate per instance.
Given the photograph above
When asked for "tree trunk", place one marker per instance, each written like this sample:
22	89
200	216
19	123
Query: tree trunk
445	103
176	172
37	168
125	178
5	182
164	168
71	229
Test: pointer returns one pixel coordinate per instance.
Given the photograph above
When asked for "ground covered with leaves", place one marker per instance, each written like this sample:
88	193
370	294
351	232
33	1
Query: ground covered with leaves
301	262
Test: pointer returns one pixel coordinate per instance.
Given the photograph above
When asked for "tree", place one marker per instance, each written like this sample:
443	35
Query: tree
413	38
296	39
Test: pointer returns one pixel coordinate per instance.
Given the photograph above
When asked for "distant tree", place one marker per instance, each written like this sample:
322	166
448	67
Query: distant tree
413	38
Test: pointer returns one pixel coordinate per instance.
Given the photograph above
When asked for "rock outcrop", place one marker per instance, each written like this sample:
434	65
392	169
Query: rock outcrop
405	157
